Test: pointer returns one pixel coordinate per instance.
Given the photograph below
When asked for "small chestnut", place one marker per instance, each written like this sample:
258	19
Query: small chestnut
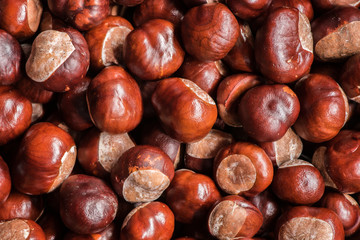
5	181
248	9
21	229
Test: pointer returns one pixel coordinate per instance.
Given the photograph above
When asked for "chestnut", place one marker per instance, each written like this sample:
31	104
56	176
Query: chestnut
45	158
243	168
326	5
187	113
52	225
99	151
349	78
49	22
83	15
152	220
5	181
268	111
15	114
152	51
324	108
193	3
87	204
304	222
142	173
20	18
191	195
10	58
112	232
21	229
304	6
129	3
247	9
284	45
114	101
33	91
59	59
234	217
209	31
106	42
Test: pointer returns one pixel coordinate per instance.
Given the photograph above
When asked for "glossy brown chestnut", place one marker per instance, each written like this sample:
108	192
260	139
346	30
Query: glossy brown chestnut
19	205
336	34
129	3
20	18
186	112
234	217
345	207
112	232
83	15
33	91
142	174
304	6
10	59
73	107
106	42
45	158
326	5
59	59
21	229
284	45
191	195
209	31
309	223
268	111
243	168
304	183
324	108
152	51
15	114
349	78
247	9
149	221
99	151
5	181
87	204
114	101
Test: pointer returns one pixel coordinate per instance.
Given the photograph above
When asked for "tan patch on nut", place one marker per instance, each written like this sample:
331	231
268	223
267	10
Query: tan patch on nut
305	35
37	111
288	147
49	51
144	185
198	91
14	230
295	163
111	147
306	228
229	118
34	11
347	107
342	43
221	68
351	200
226	220
235	174
318	160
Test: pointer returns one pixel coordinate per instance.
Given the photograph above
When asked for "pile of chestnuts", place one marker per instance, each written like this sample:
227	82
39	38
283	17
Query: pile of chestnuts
179	119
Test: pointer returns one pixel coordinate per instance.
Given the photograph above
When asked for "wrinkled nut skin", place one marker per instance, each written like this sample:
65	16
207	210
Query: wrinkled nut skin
234	217
284	45
345	207
53	69
342	158
324	108
304	222
349	78
45	158
142	173
247	9
83	15
106	42
10	59
304	183
207	75
268	111
5	181
336	34
304	6
191	195
129	3
243	168
112	232
33	91
87	204
152	51
19	205
209	31
52	225
229	93
99	151
241	57
20	18
171	10
15	114
149	221
21	229
73	107
114	101
326	5
187	113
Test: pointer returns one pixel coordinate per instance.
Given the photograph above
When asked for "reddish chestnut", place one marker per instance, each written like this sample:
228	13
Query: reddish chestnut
21	229
349	78
33	91
5	181
326	5
112	232
247	9
304	6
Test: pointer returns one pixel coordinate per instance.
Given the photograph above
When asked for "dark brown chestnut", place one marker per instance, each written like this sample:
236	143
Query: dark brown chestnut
349	78
129	3
247	9
5	181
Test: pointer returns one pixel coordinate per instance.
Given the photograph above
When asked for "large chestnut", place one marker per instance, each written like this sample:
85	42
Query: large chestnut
45	158
21	229
87	204
59	59
5	181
